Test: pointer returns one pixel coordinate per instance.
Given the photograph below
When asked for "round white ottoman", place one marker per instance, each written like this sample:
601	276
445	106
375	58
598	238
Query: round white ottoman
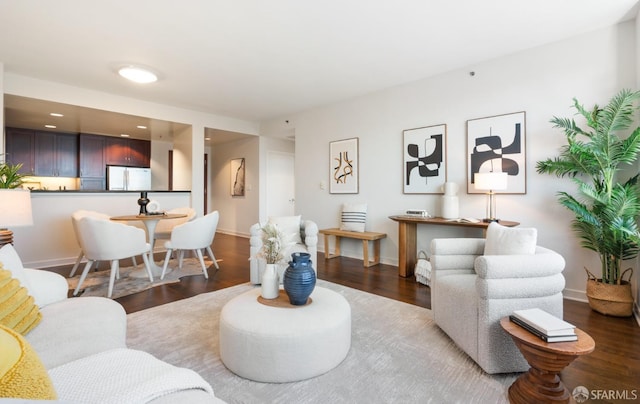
284	344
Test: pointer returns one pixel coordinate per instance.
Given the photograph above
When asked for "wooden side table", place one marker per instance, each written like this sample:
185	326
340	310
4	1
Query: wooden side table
542	384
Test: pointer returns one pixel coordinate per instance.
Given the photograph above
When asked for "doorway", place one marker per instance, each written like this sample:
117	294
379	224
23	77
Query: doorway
280	187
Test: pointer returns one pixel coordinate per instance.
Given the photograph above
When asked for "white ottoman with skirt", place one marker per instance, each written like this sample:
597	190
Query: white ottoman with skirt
272	341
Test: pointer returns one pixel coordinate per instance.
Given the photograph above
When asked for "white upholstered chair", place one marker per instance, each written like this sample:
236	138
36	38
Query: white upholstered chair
105	240
472	290
195	235
75	216
305	238
165	226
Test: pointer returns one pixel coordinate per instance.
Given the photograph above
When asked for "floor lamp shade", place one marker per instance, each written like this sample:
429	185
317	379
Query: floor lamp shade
15	211
491	181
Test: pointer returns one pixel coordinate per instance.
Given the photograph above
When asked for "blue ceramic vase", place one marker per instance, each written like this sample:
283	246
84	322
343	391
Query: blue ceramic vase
299	278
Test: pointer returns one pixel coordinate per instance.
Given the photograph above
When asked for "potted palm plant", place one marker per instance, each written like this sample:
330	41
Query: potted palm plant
10	176
607	204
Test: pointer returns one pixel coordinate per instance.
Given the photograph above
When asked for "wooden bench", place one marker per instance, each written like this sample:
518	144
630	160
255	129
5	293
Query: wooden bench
364	236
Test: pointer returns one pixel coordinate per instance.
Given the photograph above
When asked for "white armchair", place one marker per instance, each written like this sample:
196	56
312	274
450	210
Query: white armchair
471	292
309	244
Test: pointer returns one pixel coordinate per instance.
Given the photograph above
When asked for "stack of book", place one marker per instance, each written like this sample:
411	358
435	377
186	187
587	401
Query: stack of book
544	325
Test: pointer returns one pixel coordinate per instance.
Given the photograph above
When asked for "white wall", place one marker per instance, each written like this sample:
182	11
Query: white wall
160	164
237	213
540	81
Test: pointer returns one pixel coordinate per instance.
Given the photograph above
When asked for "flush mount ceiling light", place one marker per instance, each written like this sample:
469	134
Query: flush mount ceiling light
137	74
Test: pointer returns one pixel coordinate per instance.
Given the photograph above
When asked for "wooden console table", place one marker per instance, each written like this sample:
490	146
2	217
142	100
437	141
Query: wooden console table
407	237
542	383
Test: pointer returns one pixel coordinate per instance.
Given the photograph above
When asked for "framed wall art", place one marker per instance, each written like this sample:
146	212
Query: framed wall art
424	159
237	177
497	144
343	166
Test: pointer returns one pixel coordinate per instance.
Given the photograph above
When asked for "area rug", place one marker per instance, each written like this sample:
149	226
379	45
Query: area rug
397	355
97	282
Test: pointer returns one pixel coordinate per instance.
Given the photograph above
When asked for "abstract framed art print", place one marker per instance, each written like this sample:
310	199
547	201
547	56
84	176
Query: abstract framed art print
497	144
343	166
424	159
237	177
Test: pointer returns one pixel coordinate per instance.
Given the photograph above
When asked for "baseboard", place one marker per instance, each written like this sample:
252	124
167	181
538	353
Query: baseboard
577	295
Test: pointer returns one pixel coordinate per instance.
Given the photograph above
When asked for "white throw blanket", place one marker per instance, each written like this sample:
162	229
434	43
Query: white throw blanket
122	376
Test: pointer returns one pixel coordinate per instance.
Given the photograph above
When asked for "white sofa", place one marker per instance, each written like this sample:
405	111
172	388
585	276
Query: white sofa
308	231
82	343
471	292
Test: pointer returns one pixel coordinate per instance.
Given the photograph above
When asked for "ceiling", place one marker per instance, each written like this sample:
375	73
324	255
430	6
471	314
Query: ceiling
258	60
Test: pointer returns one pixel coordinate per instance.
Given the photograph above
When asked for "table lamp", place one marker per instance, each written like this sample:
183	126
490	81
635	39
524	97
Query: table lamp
491	181
15	211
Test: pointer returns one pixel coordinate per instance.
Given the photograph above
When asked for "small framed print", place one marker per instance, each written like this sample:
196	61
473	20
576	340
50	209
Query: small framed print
237	177
424	159
497	144
344	171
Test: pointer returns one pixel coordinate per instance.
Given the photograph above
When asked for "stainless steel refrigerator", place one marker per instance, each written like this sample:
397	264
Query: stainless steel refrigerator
120	178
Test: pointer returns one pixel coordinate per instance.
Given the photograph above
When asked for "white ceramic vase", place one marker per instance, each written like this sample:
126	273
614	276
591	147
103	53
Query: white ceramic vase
270	287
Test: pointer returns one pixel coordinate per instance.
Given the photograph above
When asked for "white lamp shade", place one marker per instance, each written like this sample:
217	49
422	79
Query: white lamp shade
15	208
493	181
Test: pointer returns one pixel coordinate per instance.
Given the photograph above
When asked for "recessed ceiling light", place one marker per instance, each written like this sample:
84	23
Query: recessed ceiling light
56	114
124	135
141	127
50	126
138	74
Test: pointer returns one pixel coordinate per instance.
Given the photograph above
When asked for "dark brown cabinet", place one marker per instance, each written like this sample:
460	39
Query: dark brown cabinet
127	152
20	149
43	154
55	154
92	163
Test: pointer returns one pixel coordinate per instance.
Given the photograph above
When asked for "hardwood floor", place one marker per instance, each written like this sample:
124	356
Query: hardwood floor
612	370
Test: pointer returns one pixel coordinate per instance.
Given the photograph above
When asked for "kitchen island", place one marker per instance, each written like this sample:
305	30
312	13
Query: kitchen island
51	241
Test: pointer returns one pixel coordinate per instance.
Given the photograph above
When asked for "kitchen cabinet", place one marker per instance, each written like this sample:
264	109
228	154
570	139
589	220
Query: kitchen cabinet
92	162
127	152
55	154
19	149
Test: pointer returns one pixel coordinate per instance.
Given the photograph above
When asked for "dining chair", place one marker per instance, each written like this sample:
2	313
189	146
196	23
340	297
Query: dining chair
75	216
164	227
195	235
106	240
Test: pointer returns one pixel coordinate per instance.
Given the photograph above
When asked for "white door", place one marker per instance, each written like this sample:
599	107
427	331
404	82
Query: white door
280	184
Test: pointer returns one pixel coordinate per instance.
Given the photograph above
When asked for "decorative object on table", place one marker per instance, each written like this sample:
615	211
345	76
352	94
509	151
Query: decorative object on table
497	144
15	211
450	203
545	326
274	243
353	217
153	207
343	172
607	206
492	182
425	159
237	177
143	201
299	278
423	269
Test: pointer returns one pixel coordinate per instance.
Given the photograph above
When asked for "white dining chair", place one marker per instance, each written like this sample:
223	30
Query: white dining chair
75	216
106	240
164	227
195	235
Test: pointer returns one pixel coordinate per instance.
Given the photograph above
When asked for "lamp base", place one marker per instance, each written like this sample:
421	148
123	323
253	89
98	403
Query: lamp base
6	237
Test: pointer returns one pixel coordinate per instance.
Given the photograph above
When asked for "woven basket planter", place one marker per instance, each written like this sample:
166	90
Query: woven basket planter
610	300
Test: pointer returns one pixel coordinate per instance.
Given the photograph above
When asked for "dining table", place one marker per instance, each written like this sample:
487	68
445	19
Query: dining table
150	222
